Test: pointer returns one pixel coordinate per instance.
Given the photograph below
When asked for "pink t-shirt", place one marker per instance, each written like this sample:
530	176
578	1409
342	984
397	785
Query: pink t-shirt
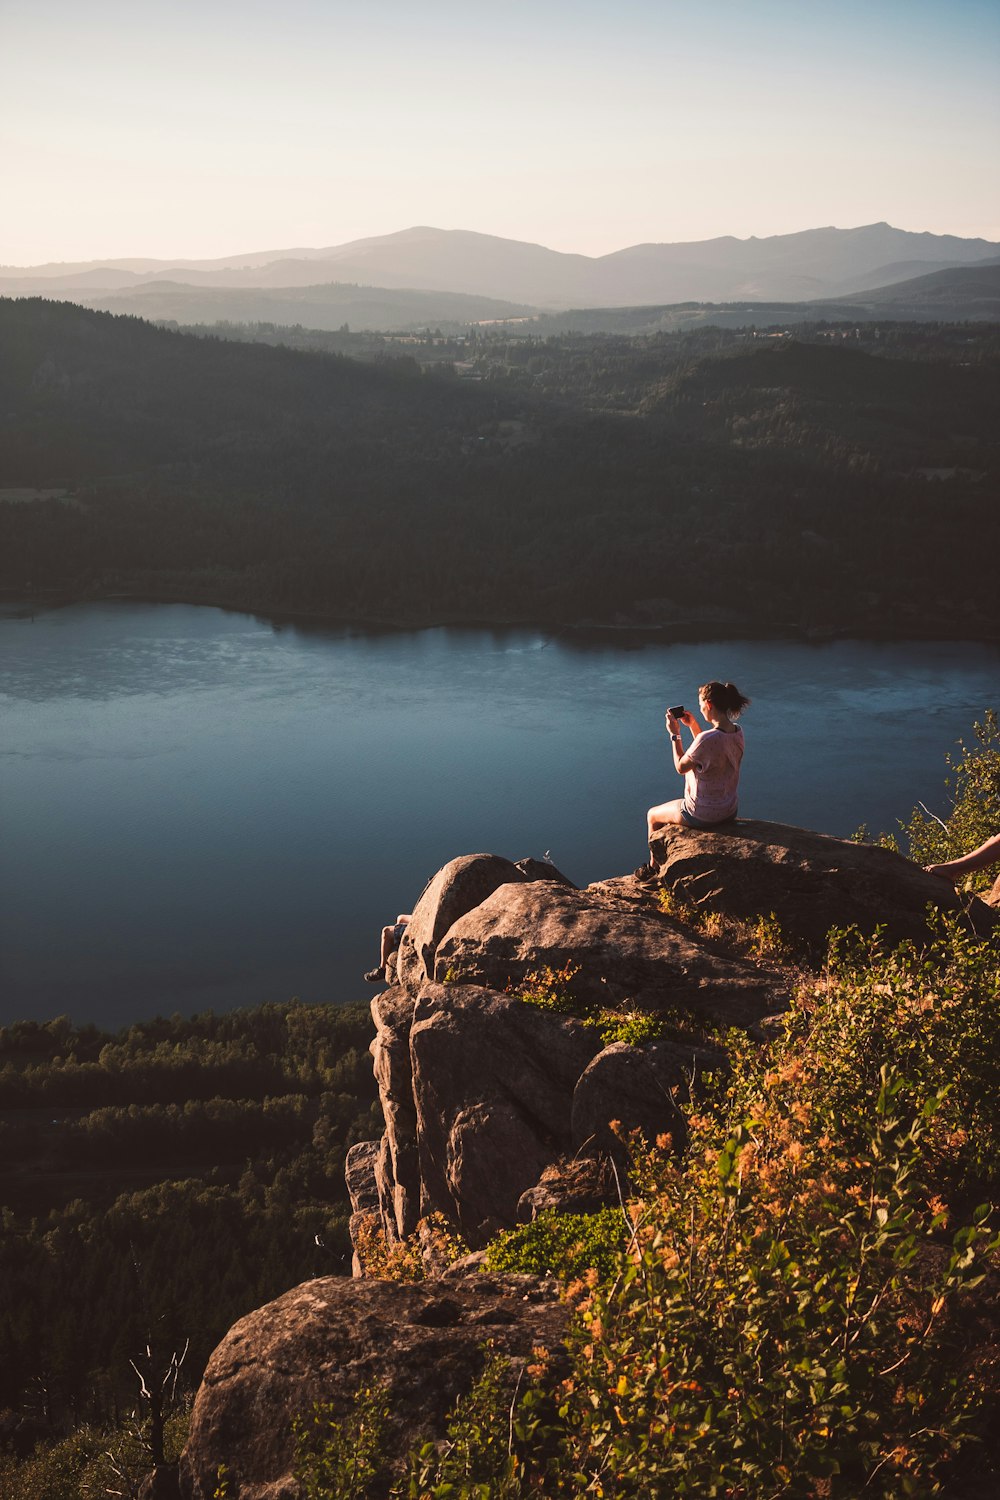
710	791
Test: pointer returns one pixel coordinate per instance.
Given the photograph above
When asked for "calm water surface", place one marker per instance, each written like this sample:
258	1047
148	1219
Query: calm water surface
205	810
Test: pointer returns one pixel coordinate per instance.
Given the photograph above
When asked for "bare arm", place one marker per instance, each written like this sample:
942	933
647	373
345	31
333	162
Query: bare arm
978	859
682	763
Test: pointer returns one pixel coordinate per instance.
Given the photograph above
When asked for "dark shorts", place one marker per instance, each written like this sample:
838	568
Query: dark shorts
691	821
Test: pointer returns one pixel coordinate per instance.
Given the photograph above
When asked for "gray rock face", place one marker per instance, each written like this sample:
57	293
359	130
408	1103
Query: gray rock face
493	1083
812	882
623	954
361	1169
359	1172
397	1173
161	1484
326	1339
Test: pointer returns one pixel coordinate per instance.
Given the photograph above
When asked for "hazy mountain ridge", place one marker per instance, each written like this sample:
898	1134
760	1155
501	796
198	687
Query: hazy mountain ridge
810	264
553	489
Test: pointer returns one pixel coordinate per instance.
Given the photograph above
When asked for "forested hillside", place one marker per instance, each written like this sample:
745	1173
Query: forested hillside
159	1183
817	482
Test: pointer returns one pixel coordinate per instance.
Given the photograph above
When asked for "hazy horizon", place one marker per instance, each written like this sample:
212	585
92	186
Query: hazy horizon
197	132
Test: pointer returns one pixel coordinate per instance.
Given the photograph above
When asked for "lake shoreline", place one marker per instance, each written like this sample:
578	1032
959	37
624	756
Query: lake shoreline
708	627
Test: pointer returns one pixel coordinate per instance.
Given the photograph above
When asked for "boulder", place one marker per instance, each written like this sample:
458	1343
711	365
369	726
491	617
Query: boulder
811	882
323	1341
580	1186
493	1083
640	1089
624	954
457	887
359	1172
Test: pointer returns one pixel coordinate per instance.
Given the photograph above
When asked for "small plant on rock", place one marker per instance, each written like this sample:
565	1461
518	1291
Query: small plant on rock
340	1457
552	989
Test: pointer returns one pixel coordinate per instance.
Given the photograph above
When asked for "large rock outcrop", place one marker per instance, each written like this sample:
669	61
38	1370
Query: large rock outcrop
481	1092
812	882
497	1110
323	1341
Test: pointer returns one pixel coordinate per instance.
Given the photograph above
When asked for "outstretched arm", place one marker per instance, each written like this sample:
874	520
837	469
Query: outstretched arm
978	859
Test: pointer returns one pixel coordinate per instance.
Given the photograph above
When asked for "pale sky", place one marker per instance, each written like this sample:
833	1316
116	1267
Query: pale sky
198	128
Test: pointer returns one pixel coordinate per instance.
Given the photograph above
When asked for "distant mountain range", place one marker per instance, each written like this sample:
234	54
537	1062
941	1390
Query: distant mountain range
808	266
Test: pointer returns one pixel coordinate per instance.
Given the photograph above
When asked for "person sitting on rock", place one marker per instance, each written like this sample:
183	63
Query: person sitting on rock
391	937
977	859
711	764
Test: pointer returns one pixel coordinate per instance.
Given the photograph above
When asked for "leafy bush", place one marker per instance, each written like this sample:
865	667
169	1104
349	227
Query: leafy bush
434	1245
91	1461
344	1458
784	1322
477	1460
563	1245
931	1015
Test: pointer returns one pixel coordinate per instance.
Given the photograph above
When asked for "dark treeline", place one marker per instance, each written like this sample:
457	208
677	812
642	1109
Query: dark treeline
157	1184
826	479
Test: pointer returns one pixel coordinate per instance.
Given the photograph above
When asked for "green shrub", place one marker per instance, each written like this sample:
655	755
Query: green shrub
344	1458
563	1245
784	1324
931	1015
92	1461
477	1460
552	989
339	1458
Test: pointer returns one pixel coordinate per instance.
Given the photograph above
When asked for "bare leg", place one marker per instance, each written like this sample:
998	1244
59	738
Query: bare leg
387	946
666	813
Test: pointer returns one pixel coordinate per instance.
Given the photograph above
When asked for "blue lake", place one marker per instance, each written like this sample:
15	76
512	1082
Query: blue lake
204	810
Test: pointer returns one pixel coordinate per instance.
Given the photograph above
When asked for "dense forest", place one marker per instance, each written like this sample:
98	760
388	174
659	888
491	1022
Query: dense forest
157	1184
821	480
